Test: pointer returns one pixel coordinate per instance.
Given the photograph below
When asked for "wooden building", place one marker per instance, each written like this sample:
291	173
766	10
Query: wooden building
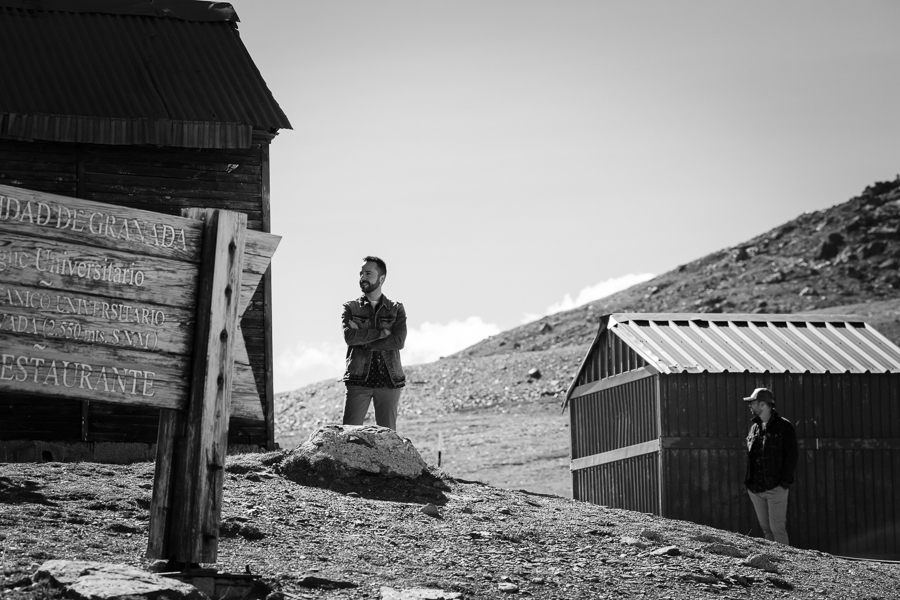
149	104
658	423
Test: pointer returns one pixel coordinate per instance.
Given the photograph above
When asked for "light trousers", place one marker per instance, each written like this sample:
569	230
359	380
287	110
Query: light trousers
386	400
771	510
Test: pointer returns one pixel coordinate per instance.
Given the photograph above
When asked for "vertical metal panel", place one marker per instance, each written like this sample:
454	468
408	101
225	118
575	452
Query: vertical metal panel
614	418
632	483
845	499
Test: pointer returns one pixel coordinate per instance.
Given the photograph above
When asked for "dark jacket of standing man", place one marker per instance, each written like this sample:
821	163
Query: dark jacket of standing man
375	332
771	461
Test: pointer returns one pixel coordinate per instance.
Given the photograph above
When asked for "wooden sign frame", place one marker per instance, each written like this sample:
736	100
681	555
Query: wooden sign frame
189	279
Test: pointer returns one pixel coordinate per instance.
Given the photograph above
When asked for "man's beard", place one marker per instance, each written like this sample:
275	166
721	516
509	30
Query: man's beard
366	286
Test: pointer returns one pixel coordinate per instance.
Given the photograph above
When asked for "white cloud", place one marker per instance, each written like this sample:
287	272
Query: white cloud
305	363
591	293
434	340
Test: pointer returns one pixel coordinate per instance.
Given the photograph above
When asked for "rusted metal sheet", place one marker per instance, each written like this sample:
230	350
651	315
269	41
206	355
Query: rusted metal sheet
110	78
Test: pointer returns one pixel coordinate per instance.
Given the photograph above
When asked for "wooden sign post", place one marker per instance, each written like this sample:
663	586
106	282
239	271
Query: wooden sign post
111	304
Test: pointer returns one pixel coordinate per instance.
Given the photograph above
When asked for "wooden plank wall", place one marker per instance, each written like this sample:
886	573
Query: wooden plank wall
845	499
632	483
163	180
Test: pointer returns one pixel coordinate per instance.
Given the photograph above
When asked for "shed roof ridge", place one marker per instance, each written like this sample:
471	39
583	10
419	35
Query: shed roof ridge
184	10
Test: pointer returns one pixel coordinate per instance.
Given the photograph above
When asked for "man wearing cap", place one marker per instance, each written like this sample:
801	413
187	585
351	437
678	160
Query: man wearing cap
771	460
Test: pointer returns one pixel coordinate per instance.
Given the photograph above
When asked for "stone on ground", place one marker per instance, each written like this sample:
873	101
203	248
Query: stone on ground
389	593
107	581
351	450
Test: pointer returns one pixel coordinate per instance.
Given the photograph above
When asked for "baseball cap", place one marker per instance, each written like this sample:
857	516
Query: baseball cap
763	394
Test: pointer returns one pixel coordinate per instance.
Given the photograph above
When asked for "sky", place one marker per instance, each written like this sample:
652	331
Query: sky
512	158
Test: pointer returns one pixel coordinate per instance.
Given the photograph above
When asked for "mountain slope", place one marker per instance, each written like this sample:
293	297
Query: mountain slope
844	255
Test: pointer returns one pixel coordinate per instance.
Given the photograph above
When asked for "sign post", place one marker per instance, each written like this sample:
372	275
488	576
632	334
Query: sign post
112	304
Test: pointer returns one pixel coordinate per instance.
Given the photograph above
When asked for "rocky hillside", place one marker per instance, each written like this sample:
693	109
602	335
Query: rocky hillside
838	259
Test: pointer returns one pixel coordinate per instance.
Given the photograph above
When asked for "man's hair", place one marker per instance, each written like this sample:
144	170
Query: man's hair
378	262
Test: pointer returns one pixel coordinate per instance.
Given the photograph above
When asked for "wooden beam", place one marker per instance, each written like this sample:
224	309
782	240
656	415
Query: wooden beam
269	392
192	514
614	381
614	455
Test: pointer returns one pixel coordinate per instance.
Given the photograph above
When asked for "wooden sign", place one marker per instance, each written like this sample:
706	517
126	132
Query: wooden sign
98	302
112	304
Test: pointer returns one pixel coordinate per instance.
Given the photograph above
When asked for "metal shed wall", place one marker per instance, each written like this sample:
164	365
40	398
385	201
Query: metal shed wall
631	483
845	499
163	180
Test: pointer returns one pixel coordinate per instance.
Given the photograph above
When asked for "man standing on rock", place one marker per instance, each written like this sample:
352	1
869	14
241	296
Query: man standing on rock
375	332
771	461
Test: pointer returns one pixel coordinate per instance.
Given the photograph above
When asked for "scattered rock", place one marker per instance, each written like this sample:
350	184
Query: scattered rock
652	535
534	373
808	291
633	541
781	583
872	249
725	550
504	511
776	277
313	581
763	563
701	578
348	450
666	551
431	510
238	526
890	264
107	581
546	328
846	255
389	593
508	588
836	238
740	254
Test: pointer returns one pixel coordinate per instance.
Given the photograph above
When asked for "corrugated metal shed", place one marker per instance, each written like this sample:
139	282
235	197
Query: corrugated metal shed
658	422
171	73
736	343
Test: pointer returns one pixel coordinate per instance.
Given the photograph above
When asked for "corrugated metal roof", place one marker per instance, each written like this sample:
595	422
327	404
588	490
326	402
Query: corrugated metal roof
103	78
720	343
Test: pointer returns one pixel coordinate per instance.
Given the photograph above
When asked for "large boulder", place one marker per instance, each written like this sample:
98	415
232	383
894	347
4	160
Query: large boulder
340	451
108	581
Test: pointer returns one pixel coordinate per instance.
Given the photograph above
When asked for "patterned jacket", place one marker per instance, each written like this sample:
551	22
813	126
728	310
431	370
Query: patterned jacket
371	334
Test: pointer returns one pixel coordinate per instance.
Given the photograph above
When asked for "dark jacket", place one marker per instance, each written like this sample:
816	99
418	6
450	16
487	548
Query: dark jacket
771	454
371	335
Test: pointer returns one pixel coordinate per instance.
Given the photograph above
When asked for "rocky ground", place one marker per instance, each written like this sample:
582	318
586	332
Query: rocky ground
483	542
490	420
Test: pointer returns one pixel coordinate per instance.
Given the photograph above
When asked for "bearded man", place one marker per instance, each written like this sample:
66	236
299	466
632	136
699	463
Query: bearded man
375	332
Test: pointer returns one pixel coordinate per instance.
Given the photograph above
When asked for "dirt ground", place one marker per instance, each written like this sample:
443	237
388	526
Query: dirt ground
485	542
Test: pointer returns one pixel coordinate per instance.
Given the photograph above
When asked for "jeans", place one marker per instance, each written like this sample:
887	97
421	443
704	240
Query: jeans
771	510
357	401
